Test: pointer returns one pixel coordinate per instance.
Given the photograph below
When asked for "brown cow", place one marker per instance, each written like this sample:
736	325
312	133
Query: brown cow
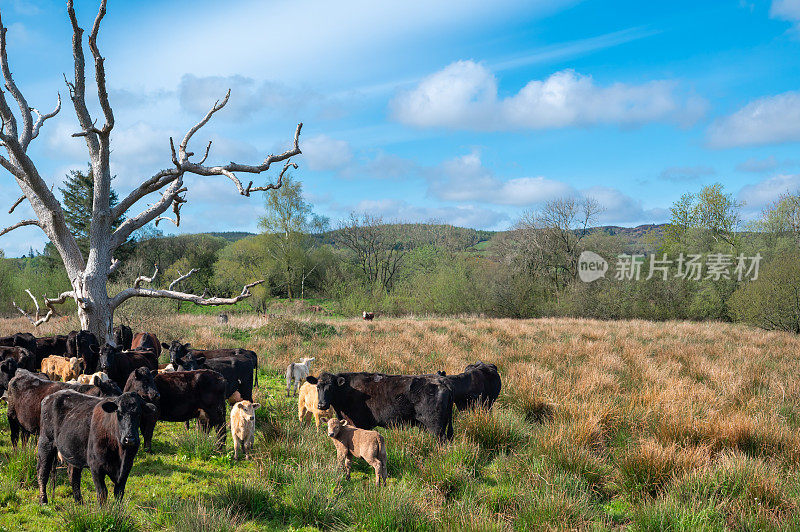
142	341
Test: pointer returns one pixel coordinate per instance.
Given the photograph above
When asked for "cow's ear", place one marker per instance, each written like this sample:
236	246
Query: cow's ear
340	381
108	406
256	405
154	372
312	359
344	423
150	408
311	379
164	345
200	360
187	346
96	380
94	348
442	373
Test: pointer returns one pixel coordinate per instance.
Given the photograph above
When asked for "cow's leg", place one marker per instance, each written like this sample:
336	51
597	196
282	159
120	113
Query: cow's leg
13	428
148	425
46	457
236	445
316	418
75	480
301	412
217	419
348	462
246	387
119	486
100	486
376	465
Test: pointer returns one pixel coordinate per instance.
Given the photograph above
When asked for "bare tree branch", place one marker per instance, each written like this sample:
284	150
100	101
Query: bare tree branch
77	89
48	303
177	203
182	278
100	72
42	117
181	296
16	204
17	225
115	264
142	279
189	134
27	121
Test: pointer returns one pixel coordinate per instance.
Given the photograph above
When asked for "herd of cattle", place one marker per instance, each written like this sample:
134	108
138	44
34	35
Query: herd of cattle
105	395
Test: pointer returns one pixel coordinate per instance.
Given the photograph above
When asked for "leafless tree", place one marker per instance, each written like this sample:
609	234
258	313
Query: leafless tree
548	241
379	247
89	275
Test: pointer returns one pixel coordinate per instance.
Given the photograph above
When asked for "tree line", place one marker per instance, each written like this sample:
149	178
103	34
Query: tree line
531	270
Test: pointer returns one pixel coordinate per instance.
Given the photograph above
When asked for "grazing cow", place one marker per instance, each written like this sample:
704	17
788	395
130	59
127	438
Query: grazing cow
370	400
142	383
188	395
62	368
368	316
307	403
26	391
123	337
352	442
243	427
479	384
178	350
296	373
238	374
89	432
82	344
142	341
120	364
24	358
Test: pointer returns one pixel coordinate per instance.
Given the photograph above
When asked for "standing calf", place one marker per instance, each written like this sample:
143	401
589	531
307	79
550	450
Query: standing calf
62	367
296	373
352	442
308	403
243	427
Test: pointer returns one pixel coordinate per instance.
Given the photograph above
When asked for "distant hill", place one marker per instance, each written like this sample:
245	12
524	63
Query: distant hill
231	236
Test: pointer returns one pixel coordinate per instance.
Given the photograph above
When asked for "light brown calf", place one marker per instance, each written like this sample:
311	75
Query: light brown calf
307	403
243	427
89	379
62	367
352	442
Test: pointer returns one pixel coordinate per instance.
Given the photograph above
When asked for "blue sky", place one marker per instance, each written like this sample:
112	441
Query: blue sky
456	111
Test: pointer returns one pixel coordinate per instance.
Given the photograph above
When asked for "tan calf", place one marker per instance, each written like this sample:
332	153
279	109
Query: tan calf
352	442
62	367
307	403
243	427
89	379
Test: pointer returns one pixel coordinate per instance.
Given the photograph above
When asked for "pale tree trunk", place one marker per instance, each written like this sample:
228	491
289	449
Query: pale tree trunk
89	275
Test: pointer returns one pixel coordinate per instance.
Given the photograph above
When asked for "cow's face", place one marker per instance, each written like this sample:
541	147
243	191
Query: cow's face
84	342
177	351
307	361
75	366
127	408
108	357
327	385
141	382
8	368
335	426
247	410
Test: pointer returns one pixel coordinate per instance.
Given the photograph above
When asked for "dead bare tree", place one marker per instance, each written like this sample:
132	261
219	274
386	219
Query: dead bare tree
89	275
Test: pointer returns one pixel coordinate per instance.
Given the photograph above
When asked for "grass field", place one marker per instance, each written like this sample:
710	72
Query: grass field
600	425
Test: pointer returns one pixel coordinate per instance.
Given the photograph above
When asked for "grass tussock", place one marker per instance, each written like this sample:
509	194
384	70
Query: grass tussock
90	518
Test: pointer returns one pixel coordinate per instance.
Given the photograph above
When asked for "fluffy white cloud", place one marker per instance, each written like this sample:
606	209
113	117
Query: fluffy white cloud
768	120
461	215
786	10
464	95
322	152
465	178
685	173
758	166
619	208
759	195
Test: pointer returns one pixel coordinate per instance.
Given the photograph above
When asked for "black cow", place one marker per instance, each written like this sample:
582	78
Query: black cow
238	374
48	346
141	382
86	431
370	400
26	391
178	351
83	344
189	395
123	337
479	384
118	364
26	340
24	358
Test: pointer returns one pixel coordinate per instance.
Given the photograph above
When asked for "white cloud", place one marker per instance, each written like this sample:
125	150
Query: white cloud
759	195
464	95
619	208
465	178
322	152
461	215
758	165
686	173
786	10
768	120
